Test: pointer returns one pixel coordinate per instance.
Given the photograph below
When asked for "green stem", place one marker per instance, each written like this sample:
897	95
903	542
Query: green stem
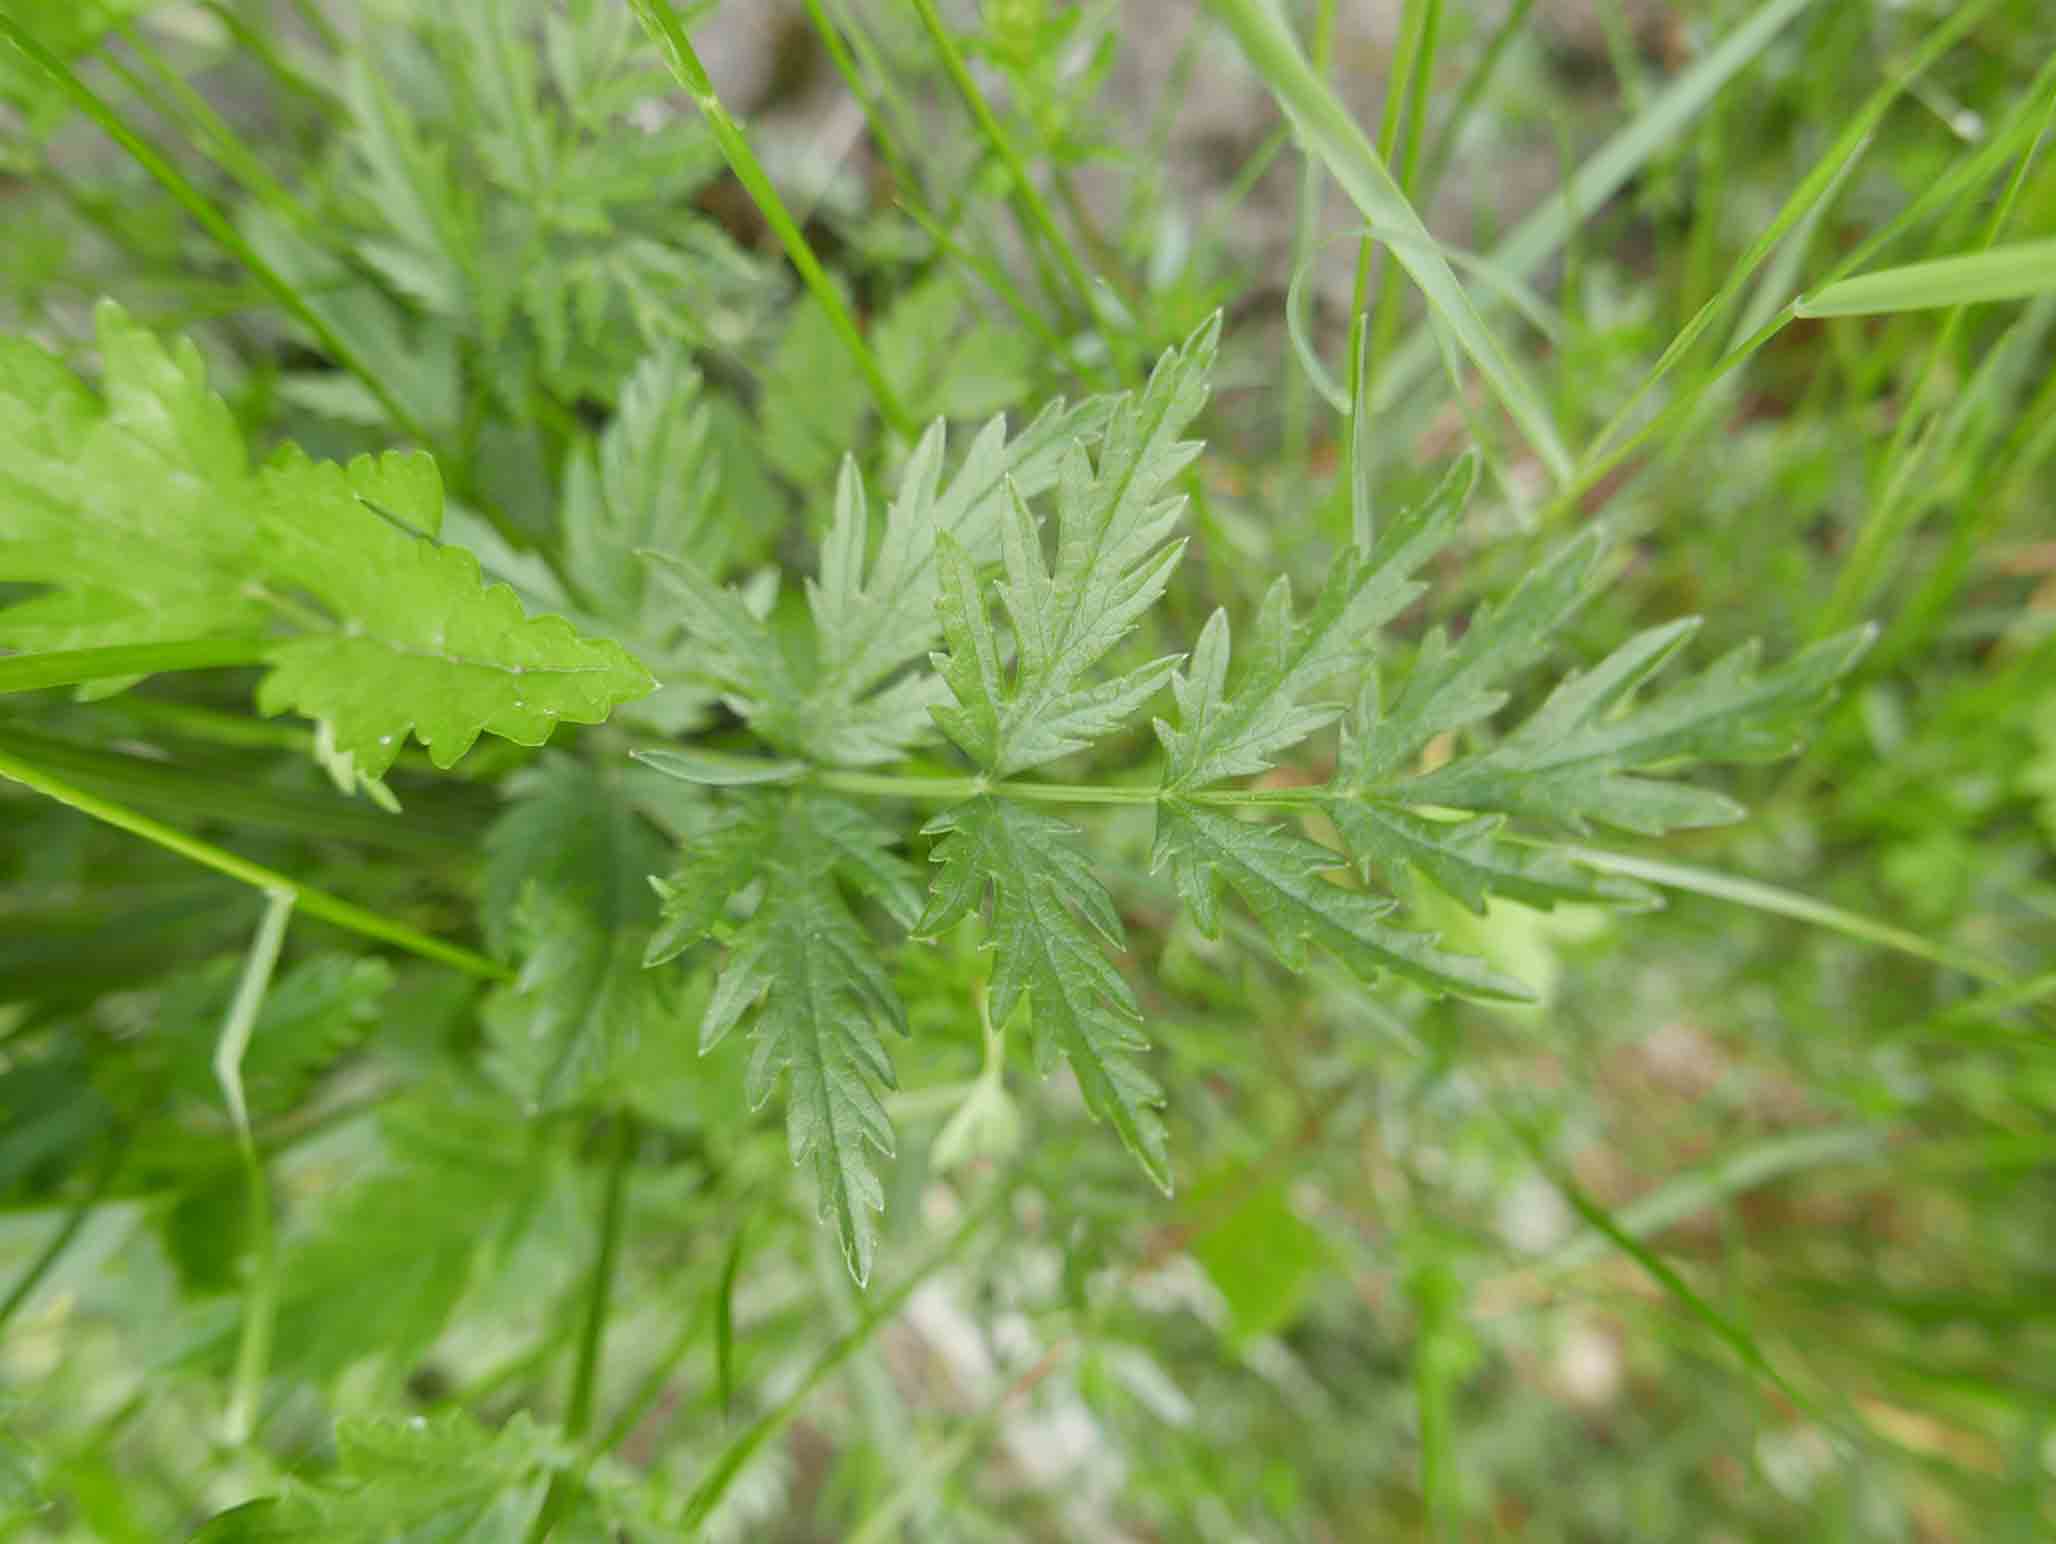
317	20
69	667
1330	131
260	1299
1467	100
578	1415
1891	518
661	21
845	64
1676	876
1298	406
206	126
585	1374
196	204
739	1452
316	903
1034	211
1405	100
67	1233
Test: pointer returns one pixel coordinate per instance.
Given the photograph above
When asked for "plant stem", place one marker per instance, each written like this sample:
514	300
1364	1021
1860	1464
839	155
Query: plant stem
585	1373
1405	101
67	1232
839	55
69	667
739	1452
1784	903
661	21
1298	405
1035	213
1467	100
1891	517
578	1414
316	903
196	204
260	1299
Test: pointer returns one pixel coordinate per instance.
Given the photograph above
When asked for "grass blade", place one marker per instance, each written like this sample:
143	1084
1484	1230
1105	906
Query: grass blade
210	219
1607	171
316	903
1332	135
71	667
724	1322
260	1296
2018	271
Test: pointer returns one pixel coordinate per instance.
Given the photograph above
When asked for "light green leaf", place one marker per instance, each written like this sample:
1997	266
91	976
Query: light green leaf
143	516
1052	923
423	644
1235	728
808	978
1114	555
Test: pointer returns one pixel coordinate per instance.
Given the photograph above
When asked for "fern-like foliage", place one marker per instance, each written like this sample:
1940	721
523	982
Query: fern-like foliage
421	1477
139	512
806	975
1052	923
1422	784
566	890
858	699
1114	556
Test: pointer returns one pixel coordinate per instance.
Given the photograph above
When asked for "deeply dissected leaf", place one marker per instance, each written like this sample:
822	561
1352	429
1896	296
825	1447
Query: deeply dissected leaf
872	620
387	1259
566	881
1574	760
1235	727
1114	555
443	1477
1471	859
1454	685
651	482
1052	923
806	976
143	517
1279	876
875	619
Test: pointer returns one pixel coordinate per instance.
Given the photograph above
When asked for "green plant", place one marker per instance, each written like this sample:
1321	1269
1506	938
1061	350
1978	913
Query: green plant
651	855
